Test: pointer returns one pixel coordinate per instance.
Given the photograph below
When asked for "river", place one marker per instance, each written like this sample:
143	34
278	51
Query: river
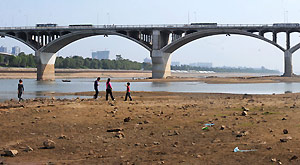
33	88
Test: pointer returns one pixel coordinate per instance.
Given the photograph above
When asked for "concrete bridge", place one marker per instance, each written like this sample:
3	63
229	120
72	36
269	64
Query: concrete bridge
160	40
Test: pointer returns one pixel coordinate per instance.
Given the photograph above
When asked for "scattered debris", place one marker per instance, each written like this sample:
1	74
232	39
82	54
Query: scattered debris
236	149
209	124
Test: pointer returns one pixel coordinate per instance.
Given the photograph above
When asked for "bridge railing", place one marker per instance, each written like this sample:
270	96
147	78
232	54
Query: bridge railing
141	26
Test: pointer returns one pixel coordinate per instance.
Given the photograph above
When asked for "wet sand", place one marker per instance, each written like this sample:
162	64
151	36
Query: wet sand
154	128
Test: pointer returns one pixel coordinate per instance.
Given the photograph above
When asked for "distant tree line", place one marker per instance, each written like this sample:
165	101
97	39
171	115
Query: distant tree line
74	62
225	69
22	60
79	62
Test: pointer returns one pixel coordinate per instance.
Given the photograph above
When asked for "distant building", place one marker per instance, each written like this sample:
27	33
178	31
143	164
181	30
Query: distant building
147	60
15	50
175	63
3	49
100	55
202	64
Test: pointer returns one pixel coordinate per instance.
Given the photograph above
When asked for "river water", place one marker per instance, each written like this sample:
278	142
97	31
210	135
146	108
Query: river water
33	88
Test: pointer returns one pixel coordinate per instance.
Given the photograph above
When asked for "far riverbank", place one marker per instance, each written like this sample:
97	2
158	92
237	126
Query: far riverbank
144	76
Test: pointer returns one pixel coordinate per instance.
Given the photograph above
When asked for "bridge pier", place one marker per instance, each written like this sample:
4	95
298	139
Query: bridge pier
288	66
161	64
45	66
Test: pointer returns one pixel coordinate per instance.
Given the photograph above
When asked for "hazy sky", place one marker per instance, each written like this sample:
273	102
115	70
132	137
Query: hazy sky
220	50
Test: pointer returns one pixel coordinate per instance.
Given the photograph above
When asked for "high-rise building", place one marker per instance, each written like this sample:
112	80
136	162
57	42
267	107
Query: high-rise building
3	49
100	55
15	50
175	63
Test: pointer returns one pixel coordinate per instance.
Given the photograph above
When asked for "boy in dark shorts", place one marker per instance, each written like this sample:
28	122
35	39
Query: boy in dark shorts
20	89
128	92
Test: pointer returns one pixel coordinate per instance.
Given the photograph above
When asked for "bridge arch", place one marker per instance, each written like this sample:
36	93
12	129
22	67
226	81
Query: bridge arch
206	33
67	39
19	39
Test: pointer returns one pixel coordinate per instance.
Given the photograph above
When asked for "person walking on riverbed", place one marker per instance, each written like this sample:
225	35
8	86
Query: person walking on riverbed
96	84
20	90
109	90
128	92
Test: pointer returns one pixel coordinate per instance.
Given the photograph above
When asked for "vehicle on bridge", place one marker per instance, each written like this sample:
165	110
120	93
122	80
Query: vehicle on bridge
286	24
46	25
205	24
81	25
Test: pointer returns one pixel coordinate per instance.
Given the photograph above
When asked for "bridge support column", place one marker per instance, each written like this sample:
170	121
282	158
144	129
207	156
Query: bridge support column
45	66
288	67
161	64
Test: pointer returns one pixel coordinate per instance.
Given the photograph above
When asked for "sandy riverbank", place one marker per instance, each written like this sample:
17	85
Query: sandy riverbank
143	76
162	128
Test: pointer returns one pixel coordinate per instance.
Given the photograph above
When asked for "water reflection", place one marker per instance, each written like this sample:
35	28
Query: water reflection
160	84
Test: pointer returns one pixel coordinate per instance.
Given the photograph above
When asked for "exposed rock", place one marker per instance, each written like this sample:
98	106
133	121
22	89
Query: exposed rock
283	140
244	113
62	137
115	130
127	119
217	140
285	131
245	109
269	148
28	149
174	133
222	127
120	135
49	144
284	119
242	133
294	158
11	153
156	143
273	160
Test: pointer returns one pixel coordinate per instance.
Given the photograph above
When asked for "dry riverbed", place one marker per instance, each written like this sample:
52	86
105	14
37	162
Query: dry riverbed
154	128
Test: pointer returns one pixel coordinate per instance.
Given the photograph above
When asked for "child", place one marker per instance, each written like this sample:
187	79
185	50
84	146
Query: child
20	89
109	90
128	92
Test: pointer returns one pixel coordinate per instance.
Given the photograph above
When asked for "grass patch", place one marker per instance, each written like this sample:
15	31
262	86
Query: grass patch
248	124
